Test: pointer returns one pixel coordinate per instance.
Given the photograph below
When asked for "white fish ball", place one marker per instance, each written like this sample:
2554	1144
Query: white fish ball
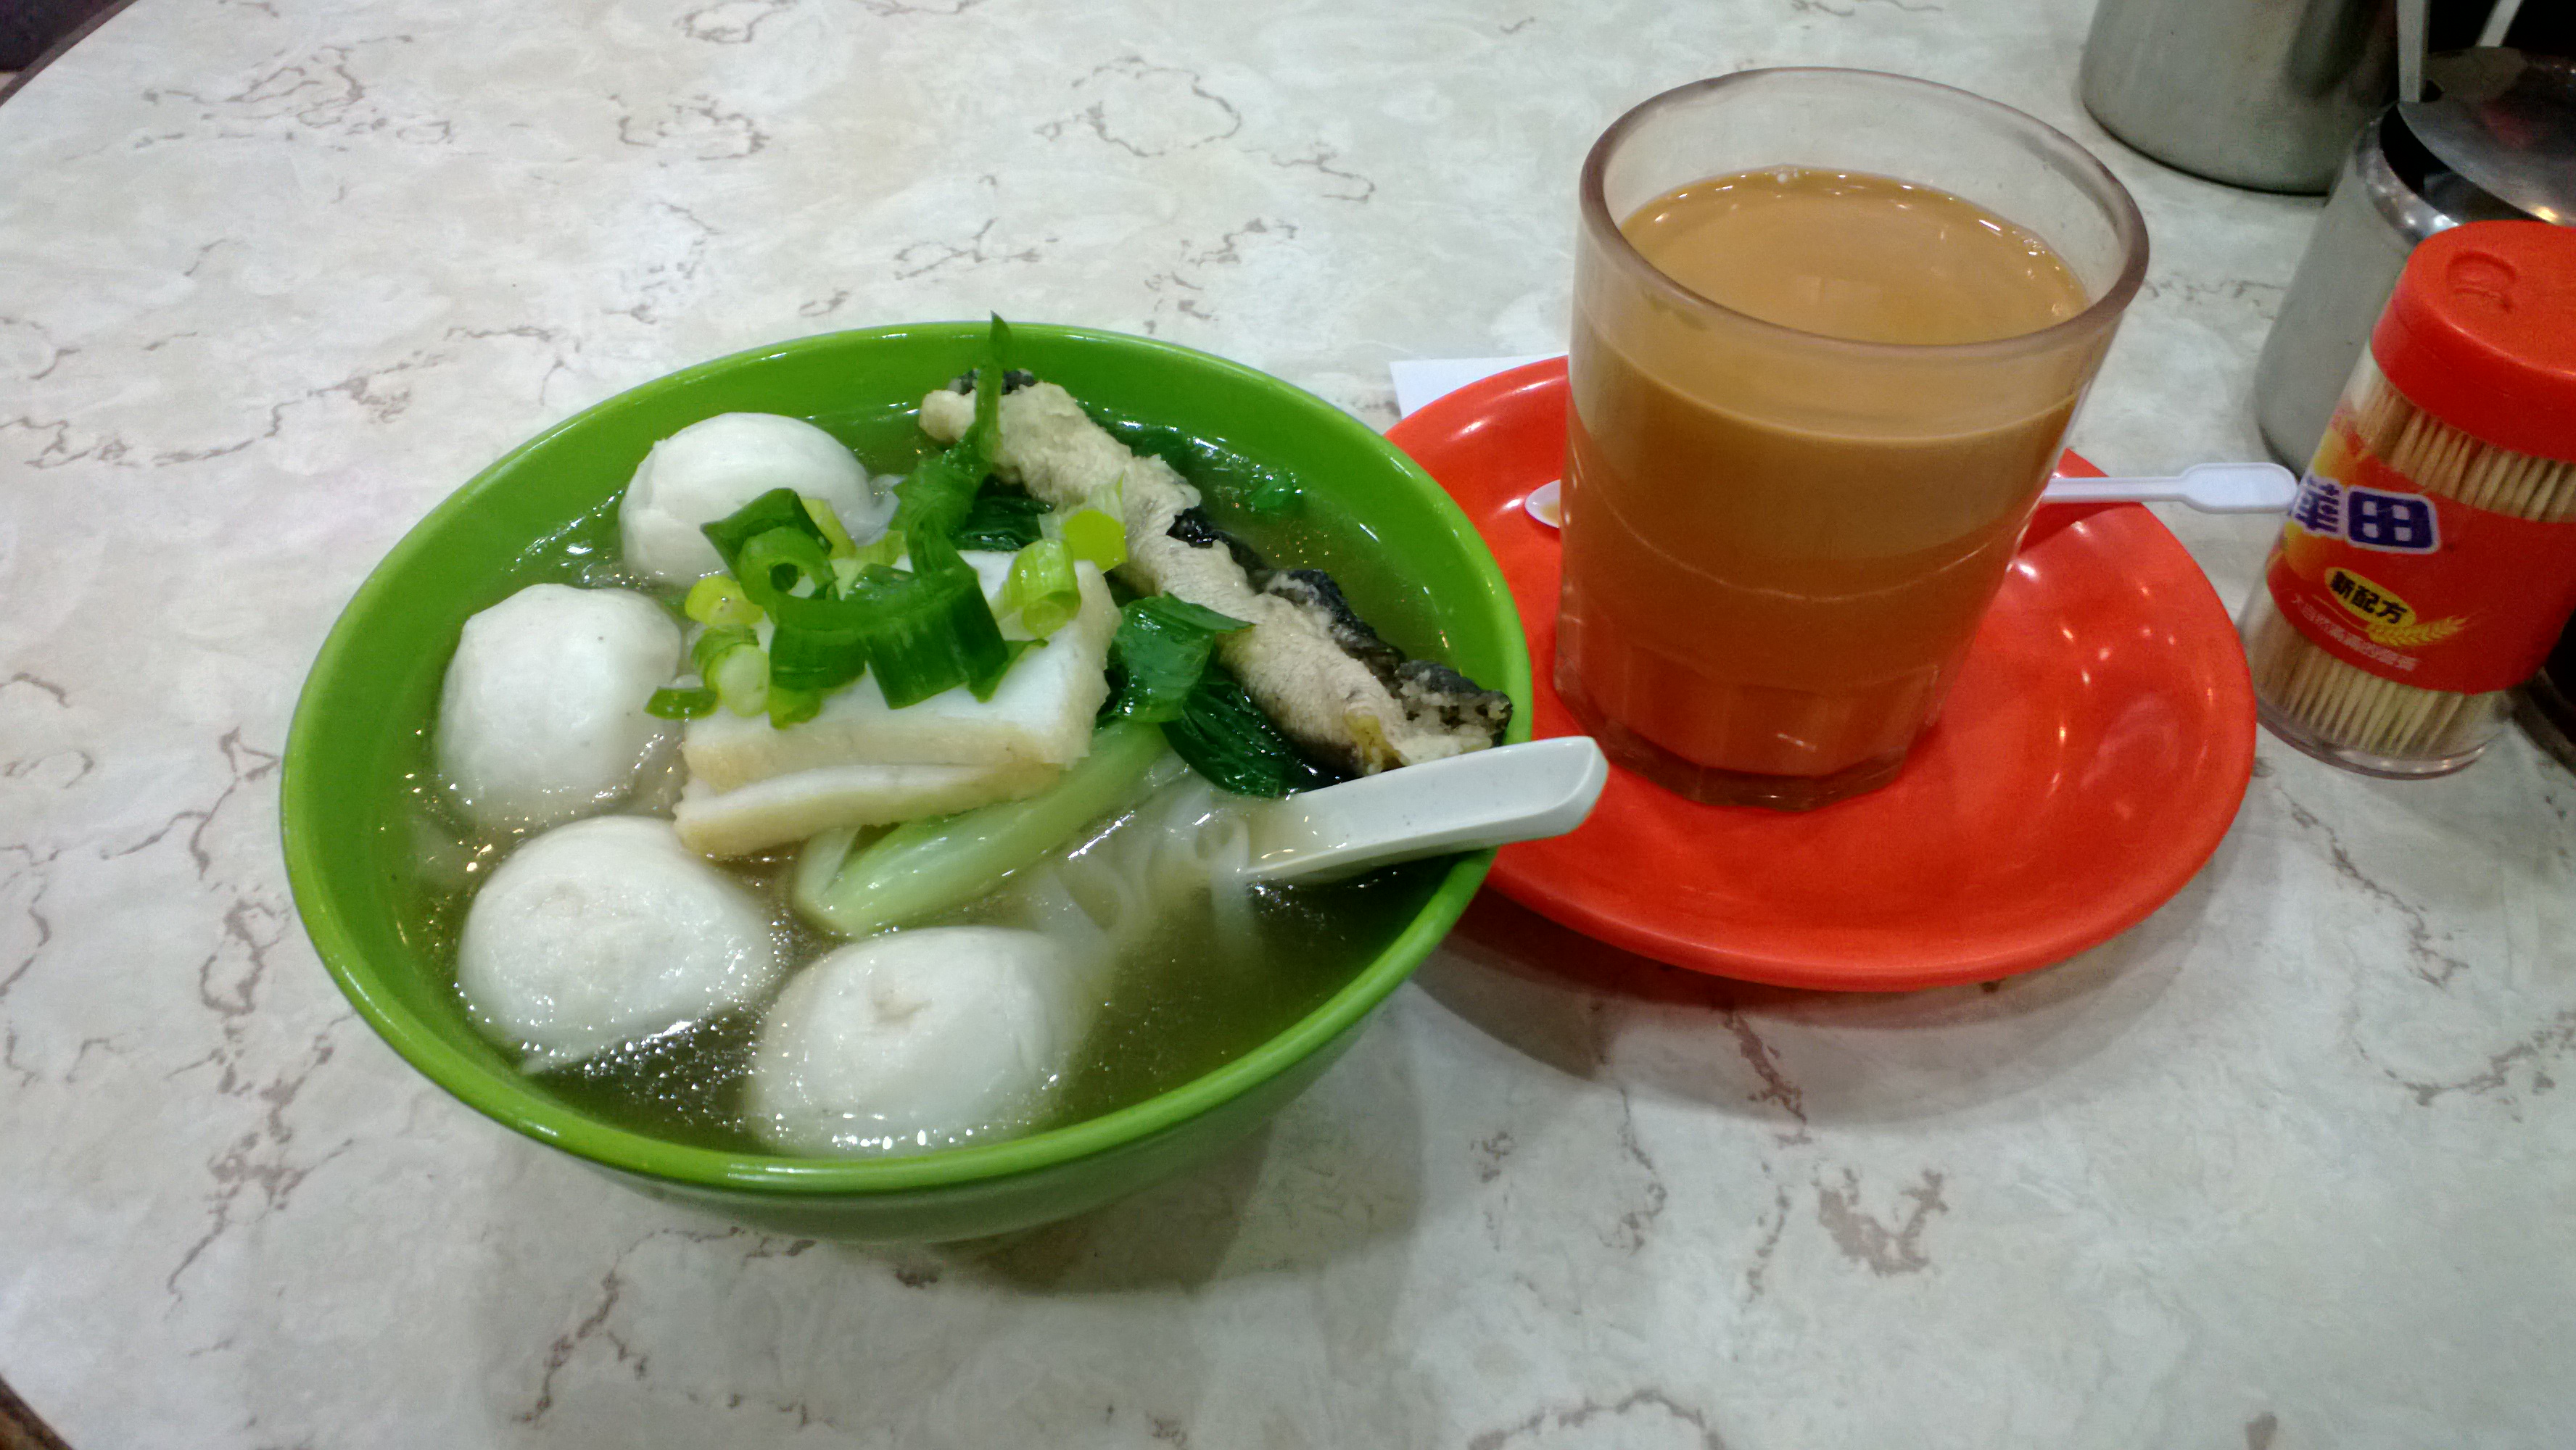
715	466
918	1039
542	716
608	931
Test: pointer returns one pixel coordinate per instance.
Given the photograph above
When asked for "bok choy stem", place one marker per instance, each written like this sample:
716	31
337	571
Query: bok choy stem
922	868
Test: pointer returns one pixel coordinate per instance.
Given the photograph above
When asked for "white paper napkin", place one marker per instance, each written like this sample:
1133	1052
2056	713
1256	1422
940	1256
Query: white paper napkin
1419	380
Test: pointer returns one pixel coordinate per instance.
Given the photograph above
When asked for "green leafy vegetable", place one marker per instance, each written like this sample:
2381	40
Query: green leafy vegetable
1161	648
1002	521
1273	495
1042	588
1226	479
680	702
922	868
941	492
1225	737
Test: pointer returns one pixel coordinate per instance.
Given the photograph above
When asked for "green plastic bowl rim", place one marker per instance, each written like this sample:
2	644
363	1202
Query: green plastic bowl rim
506	1099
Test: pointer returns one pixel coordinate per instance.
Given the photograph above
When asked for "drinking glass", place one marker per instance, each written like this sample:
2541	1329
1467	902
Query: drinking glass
1777	544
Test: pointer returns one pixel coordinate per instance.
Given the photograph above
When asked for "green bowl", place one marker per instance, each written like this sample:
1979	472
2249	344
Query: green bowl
358	734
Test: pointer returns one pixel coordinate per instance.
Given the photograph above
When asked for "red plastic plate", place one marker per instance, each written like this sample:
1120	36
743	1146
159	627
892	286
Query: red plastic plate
2089	760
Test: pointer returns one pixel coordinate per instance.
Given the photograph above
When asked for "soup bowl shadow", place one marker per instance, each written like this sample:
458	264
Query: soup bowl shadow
1797	1060
356	746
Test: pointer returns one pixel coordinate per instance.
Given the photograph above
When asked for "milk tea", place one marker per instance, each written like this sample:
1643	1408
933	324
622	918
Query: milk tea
1788	593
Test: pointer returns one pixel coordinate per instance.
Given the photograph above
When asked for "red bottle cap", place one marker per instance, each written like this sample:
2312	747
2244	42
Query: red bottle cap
2482	334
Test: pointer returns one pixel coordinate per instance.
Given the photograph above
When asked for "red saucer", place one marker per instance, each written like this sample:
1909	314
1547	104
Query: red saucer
2092	754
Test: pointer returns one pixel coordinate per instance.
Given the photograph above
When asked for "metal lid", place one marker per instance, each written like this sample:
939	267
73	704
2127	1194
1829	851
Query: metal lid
2506	122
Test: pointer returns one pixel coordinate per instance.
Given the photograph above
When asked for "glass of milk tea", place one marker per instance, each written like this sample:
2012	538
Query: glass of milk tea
1830	328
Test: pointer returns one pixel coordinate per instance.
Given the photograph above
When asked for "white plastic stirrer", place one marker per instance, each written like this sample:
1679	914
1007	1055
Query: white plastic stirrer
1465	803
2212	488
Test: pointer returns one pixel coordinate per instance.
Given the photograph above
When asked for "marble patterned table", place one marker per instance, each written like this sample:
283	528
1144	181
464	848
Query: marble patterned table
2286	1166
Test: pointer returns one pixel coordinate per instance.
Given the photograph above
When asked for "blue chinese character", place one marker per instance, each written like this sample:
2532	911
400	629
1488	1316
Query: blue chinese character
2400	522
2319	506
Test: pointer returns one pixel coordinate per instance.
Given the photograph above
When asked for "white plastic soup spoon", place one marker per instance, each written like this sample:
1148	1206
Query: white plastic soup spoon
1465	803
2212	488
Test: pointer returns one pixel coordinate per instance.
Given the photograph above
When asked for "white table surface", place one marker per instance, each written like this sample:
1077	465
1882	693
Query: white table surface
2286	1166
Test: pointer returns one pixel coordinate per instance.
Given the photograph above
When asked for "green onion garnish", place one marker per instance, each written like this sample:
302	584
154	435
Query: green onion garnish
840	610
1097	535
1042	588
779	508
730	659
716	599
929	632
792	707
886	549
836	539
783	563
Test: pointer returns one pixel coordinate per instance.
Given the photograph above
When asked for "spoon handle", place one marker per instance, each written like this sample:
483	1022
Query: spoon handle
1465	803
2217	488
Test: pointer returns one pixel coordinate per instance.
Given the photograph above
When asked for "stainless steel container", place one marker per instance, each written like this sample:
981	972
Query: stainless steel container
2504	118
2373	219
2258	93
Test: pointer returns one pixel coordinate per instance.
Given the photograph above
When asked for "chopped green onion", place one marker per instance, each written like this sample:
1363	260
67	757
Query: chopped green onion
780	508
822	644
713	645
1160	651
792	707
886	549
926	632
841	611
836	539
680	702
1012	649
1042	588
717	599
778	564
730	659
1097	535
988	386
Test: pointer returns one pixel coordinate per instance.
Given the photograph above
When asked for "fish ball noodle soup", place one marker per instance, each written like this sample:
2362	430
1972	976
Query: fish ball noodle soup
953	843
